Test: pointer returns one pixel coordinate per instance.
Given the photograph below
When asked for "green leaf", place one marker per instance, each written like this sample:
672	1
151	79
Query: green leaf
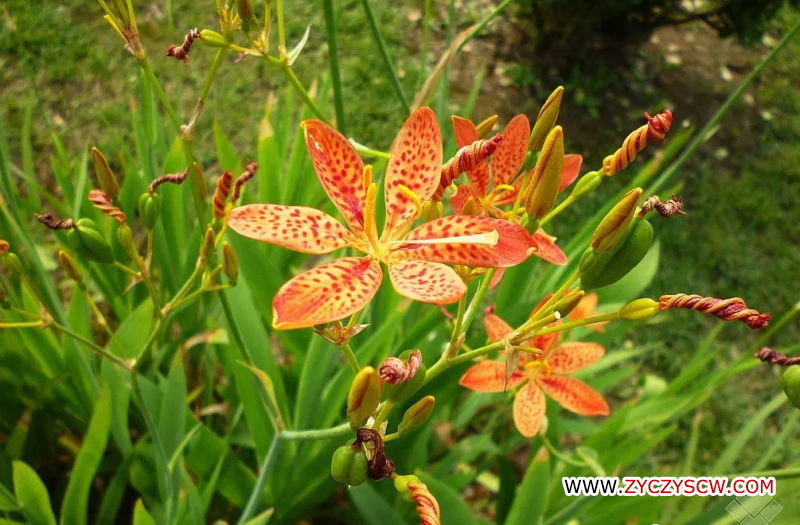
7	500
373	507
261	519
141	516
172	420
530	503
76	500
32	495
133	332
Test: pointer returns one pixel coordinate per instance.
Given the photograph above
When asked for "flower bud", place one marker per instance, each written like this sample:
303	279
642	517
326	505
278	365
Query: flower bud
246	10
212	39
149	209
587	184
602	269
4	246
401	485
485	127
546	177
639	310
615	224
70	267
364	396
402	391
567	304
790	381
470	207
417	415
125	238
230	264
209	244
349	466
432	210
12	264
105	177
546	119
87	241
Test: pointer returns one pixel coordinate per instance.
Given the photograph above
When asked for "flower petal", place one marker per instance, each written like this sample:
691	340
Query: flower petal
586	309
490	376
529	409
570	357
416	163
425	281
326	293
509	157
570	170
496	328
339	169
574	395
545	342
513	246
297	228
464	192
466	133
547	249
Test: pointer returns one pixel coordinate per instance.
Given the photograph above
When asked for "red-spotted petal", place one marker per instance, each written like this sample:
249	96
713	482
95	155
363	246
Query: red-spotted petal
529	410
496	328
509	156
490	376
547	248
416	163
297	228
574	395
570	170
339	169
574	356
453	241
465	191
466	133
326	293
425	281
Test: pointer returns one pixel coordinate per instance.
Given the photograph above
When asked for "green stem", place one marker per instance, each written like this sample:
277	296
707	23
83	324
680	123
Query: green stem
211	76
281	24
333	57
24	324
613	316
258	490
453	346
130	271
387	60
351	357
442	365
97	349
558	209
298	86
325	433
483	23
475	305
162	96
564	288
383	414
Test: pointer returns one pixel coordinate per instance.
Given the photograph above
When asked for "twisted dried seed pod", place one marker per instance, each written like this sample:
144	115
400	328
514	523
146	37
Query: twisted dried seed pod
773	357
733	309
248	174
667	208
182	52
54	223
467	158
172	178
101	201
655	129
379	466
394	371
427	506
221	194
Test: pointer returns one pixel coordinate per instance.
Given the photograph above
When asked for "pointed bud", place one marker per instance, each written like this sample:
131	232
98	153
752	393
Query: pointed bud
587	184
485	127
125	238
105	177
230	264
211	38
417	415
432	210
70	267
364	396
207	248
615	224
246	10
546	177
12	264
568	303
546	119
87	241
639	310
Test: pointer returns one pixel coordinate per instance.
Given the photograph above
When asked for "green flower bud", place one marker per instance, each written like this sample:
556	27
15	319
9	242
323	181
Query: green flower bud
87	241
230	264
245	8
485	127
212	39
546	119
12	264
149	210
568	303
401	485
546	176
432	210
616	222
70	267
364	396
209	245
401	392
603	269
790	381
639	310
349	466
417	415
587	184
105	177
125	238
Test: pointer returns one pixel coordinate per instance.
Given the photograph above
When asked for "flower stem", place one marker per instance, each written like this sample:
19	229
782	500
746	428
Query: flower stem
475	305
162	96
266	468
453	346
558	209
326	433
298	86
23	324
613	316
97	349
351	357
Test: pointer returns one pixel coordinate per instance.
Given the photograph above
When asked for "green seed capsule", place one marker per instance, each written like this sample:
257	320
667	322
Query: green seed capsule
403	391
401	485
790	381
349	466
87	241
149	209
599	270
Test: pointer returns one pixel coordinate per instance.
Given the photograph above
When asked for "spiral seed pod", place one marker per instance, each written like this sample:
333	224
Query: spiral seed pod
467	158
221	194
182	52
395	371
666	209
101	201
773	357
248	174
655	129
400	392
54	223
733	309
172	178
427	506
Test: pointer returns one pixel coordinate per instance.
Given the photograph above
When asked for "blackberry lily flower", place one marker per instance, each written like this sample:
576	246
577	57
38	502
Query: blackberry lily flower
416	259
539	375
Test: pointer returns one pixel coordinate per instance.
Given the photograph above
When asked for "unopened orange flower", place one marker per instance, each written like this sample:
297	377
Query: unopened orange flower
507	161
585	309
416	259
540	375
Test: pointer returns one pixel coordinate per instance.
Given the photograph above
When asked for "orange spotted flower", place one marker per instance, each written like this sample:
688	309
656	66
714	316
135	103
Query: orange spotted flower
416	259
540	375
507	161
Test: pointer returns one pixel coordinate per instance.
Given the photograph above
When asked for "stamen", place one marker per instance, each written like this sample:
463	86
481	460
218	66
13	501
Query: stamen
414	198
366	177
